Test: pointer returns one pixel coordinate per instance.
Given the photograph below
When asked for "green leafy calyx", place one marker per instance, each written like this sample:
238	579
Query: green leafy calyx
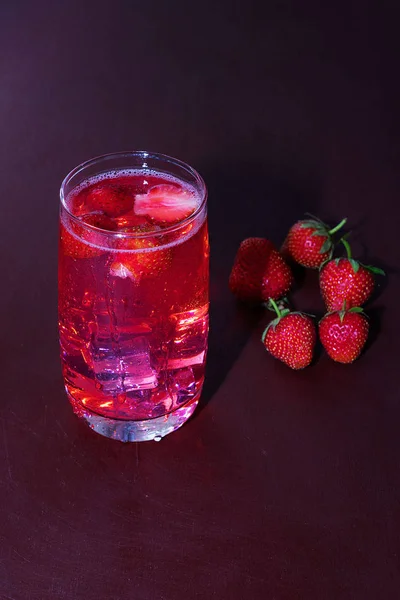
374	270
318	227
355	264
326	246
343	311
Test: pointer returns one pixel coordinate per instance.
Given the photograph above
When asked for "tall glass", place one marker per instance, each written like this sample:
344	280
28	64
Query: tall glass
133	293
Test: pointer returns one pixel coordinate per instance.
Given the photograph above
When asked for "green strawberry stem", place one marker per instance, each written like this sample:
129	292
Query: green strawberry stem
355	264
276	307
282	303
338	226
280	312
347	246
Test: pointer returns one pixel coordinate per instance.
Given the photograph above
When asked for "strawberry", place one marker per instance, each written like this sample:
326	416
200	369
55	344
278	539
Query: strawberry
131	223
310	243
259	272
144	260
346	280
80	242
291	338
166	203
109	198
343	334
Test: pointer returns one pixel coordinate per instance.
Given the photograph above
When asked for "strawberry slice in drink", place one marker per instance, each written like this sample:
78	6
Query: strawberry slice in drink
110	199
145	261
132	223
166	203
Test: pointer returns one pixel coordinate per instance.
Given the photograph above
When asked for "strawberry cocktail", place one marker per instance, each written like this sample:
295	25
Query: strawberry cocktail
133	293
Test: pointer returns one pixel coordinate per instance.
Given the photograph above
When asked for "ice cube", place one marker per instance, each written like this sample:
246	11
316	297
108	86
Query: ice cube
118	269
163	401
122	364
139	374
189	339
183	384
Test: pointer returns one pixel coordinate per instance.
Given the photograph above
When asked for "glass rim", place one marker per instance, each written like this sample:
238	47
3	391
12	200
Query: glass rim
143	154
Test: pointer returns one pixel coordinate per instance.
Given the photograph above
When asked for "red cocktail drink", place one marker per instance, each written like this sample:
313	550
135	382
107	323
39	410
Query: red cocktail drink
133	293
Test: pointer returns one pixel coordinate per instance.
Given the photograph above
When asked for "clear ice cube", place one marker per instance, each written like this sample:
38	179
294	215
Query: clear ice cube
122	364
182	384
139	374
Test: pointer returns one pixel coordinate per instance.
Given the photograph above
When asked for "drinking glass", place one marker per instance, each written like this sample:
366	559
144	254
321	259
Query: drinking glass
133	293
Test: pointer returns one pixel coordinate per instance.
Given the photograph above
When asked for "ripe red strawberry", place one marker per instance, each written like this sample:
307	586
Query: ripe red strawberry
259	272
79	241
310	243
109	198
346	280
290	338
343	334
167	203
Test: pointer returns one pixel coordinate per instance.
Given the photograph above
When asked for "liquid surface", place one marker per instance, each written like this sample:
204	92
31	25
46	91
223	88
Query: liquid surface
133	294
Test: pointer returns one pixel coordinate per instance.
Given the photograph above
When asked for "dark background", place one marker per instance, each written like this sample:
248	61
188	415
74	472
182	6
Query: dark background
285	485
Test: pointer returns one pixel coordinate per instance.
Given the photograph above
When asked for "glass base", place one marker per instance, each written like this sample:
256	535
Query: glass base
136	431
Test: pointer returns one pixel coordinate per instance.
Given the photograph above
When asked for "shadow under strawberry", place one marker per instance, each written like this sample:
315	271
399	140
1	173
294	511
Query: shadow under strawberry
318	350
381	282
299	275
375	316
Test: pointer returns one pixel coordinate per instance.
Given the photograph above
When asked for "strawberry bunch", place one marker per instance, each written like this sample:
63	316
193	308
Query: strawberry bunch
262	274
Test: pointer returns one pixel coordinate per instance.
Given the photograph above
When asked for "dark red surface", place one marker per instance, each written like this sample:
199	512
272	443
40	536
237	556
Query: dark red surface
286	485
